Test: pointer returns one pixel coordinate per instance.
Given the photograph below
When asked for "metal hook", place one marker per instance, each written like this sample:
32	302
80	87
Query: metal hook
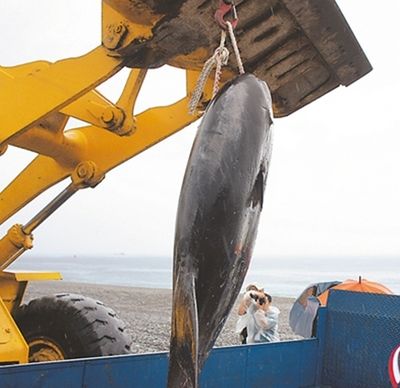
225	7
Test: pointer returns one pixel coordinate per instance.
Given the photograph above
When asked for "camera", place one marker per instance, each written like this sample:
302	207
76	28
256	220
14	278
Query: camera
259	299
254	296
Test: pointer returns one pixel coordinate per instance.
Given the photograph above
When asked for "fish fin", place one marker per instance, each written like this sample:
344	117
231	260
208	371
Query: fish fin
183	357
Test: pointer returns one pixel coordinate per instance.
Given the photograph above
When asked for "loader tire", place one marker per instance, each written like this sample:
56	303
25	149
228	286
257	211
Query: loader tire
67	326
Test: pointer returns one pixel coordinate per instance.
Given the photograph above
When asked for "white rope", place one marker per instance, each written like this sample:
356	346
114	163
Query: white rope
235	47
219	59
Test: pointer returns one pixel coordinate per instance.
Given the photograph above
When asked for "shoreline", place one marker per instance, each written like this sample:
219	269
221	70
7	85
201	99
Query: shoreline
147	311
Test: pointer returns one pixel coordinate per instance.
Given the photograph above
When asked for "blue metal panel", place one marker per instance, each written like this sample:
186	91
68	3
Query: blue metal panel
148	370
280	364
226	367
291	364
321	336
356	334
362	330
45	375
284	364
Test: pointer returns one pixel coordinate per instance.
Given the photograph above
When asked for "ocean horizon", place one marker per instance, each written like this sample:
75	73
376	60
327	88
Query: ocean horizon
280	276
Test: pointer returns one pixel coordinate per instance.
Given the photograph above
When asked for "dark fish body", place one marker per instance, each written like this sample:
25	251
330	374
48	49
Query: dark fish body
218	213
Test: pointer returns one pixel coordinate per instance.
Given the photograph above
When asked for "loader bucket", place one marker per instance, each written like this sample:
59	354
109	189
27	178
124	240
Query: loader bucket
302	48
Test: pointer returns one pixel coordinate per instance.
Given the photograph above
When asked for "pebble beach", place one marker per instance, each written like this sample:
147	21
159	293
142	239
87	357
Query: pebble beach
147	312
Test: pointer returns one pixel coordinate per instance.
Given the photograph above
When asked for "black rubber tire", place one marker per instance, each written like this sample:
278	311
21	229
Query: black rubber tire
80	326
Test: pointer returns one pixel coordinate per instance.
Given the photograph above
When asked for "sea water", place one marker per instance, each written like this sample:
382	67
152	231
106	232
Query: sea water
280	276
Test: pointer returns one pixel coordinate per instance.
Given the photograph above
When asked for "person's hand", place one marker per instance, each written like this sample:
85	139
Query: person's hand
245	302
247	297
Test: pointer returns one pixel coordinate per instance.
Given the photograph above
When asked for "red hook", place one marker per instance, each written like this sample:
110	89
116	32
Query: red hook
225	7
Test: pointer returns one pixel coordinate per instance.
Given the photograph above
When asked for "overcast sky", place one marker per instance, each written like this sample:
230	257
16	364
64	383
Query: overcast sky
333	187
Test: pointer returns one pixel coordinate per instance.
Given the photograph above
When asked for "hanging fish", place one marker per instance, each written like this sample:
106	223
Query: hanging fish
218	213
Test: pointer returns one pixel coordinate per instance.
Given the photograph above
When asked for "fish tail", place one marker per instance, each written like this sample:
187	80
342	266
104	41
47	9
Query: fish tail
183	357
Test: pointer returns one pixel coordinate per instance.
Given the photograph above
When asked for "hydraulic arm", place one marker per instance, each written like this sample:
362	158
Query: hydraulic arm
279	43
302	49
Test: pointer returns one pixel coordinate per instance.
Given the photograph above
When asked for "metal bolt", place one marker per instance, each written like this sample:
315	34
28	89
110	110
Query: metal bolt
82	171
107	116
86	174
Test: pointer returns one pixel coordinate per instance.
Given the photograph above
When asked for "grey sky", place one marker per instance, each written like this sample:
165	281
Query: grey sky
334	184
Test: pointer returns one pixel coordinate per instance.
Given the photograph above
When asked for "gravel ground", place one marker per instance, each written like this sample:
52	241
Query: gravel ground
147	312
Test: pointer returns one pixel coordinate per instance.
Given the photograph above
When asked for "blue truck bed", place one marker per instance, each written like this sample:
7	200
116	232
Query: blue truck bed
356	335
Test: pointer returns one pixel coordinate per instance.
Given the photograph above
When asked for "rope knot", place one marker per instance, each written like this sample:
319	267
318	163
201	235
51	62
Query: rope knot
220	58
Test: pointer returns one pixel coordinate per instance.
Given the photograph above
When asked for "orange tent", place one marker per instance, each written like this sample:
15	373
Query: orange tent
360	285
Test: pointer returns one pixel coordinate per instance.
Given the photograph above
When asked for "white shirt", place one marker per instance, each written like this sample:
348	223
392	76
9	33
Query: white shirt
262	326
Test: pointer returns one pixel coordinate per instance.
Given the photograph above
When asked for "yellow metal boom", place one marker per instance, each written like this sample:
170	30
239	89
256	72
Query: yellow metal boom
301	50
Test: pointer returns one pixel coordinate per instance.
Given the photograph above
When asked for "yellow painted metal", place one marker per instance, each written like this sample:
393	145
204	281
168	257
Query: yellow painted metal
13	244
59	84
13	347
43	349
97	110
42	173
11	290
13	285
48	137
23	276
36	100
103	147
93	146
131	90
121	26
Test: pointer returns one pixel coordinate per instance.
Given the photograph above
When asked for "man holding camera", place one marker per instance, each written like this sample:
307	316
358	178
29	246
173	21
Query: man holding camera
258	317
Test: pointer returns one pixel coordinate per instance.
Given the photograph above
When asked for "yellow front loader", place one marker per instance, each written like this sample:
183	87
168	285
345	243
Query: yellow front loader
302	48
